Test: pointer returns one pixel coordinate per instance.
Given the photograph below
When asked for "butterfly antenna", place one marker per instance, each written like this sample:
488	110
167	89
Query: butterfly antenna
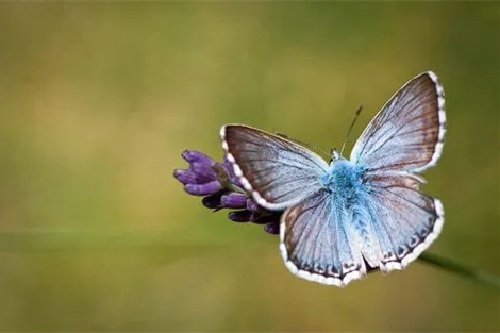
303	144
358	112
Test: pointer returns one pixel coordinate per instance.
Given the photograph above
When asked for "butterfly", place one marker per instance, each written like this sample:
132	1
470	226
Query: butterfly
343	217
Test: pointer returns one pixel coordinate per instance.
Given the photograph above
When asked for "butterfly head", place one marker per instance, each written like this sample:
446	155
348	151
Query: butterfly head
336	156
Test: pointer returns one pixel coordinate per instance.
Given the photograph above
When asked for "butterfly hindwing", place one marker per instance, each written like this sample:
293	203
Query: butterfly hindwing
317	241
277	171
404	221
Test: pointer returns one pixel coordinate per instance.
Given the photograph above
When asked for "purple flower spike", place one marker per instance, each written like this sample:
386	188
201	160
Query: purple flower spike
251	205
240	216
265	217
234	200
259	218
203	189
193	156
221	189
185	176
273	227
212	201
229	169
204	172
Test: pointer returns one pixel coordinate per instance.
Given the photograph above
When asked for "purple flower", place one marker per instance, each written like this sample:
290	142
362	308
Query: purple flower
221	189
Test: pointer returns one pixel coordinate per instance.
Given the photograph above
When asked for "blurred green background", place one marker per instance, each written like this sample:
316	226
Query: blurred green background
98	100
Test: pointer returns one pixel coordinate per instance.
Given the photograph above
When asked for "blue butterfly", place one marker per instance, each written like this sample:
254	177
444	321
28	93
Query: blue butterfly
368	210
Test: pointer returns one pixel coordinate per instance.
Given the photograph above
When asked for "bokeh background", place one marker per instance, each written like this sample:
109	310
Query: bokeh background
98	100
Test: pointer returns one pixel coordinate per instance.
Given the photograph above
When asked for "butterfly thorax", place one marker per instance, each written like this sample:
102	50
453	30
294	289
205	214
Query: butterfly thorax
345	180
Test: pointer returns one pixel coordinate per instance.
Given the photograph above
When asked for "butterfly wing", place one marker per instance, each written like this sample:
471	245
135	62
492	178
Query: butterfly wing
317	241
404	138
408	133
277	171
404	221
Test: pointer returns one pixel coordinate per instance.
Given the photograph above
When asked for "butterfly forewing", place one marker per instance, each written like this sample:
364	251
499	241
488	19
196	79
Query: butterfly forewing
408	133
277	171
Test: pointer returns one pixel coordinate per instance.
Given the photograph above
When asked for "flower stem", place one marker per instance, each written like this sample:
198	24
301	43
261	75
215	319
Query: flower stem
465	271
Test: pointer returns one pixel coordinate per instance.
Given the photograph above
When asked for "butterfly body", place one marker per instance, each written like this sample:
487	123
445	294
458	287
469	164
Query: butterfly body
368	210
345	180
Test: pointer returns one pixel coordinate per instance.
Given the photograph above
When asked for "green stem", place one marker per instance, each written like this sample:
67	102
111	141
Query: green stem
465	271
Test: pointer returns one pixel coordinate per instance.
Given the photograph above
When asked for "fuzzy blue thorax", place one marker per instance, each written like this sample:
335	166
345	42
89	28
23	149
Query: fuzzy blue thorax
344	179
